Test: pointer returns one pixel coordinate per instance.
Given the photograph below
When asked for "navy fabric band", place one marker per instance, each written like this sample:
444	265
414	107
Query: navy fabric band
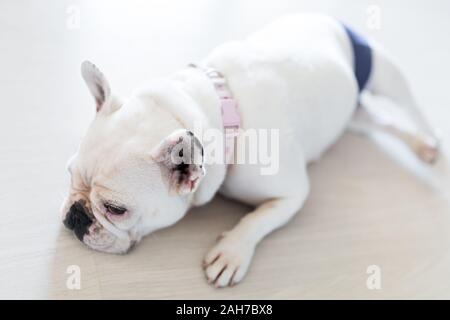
362	53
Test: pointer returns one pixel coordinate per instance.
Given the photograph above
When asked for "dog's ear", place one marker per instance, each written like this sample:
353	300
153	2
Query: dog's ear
181	157
97	84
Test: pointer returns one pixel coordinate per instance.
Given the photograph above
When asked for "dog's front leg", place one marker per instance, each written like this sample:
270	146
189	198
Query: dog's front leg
228	262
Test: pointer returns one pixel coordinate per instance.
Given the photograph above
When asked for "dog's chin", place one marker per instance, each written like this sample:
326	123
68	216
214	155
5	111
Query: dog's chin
100	239
113	248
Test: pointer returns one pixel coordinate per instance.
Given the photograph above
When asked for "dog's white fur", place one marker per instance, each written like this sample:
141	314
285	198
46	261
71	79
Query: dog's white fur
295	75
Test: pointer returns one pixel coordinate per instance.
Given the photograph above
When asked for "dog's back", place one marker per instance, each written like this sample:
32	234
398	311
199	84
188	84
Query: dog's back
295	75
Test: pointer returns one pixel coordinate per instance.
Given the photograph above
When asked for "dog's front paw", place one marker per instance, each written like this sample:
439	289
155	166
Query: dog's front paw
227	262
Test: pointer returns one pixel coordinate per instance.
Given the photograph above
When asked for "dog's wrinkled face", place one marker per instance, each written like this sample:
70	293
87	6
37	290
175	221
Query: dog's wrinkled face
125	183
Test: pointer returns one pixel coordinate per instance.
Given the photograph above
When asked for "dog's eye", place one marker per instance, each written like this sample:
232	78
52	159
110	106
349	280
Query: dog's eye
113	209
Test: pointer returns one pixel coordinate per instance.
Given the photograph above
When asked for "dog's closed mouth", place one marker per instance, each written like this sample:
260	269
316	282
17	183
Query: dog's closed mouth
193	183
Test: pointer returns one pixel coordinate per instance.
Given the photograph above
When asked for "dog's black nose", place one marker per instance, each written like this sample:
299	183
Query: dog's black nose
78	220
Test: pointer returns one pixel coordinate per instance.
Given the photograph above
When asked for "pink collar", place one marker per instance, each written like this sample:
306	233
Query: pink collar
231	119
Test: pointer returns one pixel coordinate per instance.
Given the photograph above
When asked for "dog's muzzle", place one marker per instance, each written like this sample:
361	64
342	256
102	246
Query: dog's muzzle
78	220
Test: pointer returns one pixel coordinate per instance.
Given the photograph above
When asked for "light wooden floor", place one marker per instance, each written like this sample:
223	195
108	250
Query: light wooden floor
372	202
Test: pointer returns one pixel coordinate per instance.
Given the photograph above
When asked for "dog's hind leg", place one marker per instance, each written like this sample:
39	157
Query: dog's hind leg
388	81
424	146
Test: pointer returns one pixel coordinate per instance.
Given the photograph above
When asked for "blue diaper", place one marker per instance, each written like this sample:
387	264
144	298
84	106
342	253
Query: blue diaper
362	53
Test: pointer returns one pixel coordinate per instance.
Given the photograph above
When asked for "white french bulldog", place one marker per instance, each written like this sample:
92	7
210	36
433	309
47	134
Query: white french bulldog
296	76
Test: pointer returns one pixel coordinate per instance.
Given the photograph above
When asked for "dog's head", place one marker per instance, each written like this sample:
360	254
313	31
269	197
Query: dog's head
127	180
